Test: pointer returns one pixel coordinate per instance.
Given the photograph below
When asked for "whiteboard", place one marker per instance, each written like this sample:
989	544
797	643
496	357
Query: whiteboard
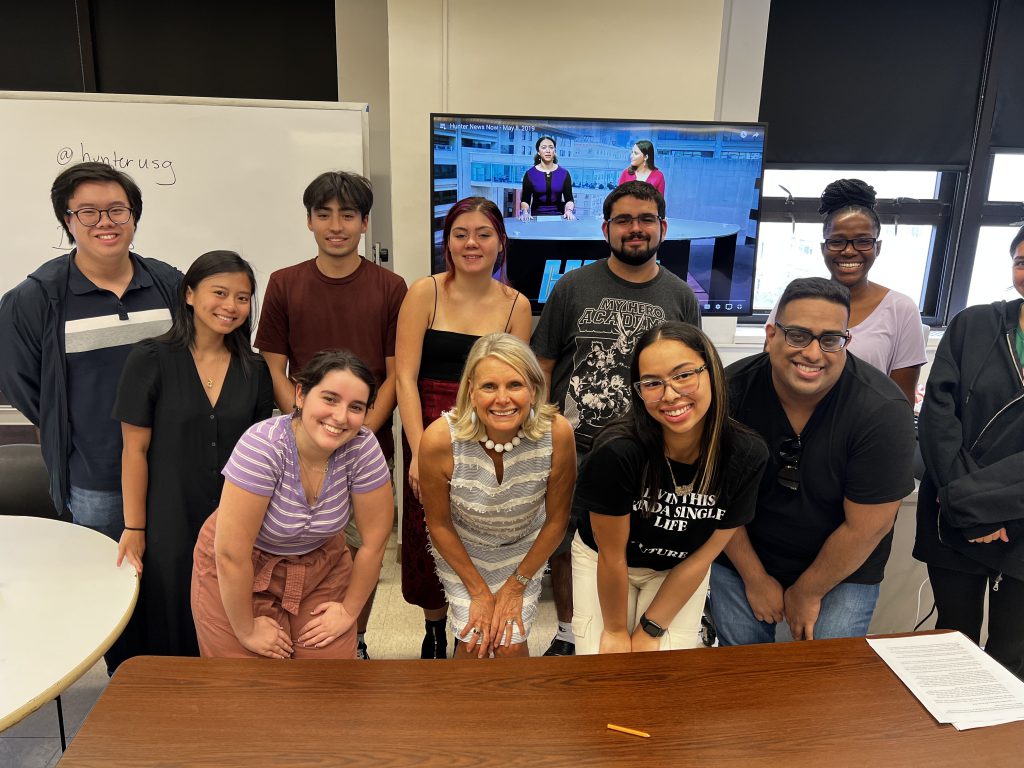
214	173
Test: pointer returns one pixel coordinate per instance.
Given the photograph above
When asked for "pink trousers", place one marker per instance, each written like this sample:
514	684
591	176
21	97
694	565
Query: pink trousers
285	588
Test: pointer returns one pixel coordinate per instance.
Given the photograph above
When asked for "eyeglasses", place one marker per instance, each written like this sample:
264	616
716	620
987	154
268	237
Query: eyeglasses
789	456
862	244
90	217
801	338
644	219
683	383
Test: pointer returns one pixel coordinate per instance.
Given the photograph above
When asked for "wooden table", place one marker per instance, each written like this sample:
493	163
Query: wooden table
826	703
63	602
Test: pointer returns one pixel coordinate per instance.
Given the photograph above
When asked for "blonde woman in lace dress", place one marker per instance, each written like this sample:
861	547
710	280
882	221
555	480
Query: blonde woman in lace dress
496	480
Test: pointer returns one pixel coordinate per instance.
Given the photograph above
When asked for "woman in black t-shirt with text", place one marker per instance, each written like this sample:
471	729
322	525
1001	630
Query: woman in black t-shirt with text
658	498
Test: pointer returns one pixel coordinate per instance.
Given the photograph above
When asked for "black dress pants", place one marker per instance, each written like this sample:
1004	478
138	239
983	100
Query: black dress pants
960	601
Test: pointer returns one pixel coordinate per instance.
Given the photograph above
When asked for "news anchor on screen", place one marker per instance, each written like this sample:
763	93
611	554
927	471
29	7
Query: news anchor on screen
642	167
547	187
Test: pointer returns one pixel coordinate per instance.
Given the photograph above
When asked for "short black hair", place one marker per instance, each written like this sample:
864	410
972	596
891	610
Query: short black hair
1017	240
815	288
844	195
69	179
350	190
641	190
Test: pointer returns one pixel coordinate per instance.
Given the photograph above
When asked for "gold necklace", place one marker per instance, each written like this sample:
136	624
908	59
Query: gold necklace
681	490
207	380
308	477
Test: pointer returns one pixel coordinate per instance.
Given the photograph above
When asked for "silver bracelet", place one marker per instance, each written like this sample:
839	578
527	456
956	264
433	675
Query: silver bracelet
520	578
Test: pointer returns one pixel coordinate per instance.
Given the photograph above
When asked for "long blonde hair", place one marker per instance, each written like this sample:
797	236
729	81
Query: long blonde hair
515	353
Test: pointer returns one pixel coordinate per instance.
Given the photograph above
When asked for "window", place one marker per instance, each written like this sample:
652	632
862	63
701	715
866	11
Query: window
445	197
910	205
1007	184
786	252
1002	214
991	278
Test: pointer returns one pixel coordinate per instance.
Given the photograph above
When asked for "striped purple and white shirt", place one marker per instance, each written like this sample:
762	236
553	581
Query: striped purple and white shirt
266	462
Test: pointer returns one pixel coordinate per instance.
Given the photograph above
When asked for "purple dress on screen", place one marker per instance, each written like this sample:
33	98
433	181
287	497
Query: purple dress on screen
547	193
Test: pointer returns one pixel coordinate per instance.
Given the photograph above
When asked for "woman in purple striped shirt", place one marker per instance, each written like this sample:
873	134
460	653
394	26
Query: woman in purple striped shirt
272	575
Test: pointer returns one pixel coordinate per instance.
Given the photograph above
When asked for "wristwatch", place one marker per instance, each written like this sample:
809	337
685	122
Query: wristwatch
520	578
650	627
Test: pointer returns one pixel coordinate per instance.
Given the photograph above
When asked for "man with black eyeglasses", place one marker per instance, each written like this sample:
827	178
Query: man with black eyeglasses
586	334
841	438
65	332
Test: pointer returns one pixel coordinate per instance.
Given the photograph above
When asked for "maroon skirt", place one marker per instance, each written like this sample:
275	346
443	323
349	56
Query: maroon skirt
420	585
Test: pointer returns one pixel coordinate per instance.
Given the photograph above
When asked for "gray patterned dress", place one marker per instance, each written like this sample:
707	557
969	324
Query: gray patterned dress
497	522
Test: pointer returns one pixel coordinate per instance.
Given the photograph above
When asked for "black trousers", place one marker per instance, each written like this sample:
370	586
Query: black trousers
960	601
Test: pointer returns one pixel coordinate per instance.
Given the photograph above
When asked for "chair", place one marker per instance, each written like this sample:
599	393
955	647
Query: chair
24	482
25	490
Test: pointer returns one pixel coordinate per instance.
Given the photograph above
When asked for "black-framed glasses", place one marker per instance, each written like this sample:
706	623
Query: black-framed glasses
644	219
830	341
862	244
789	463
90	217
652	390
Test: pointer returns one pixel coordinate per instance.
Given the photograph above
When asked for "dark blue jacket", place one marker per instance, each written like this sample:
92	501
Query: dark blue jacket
33	372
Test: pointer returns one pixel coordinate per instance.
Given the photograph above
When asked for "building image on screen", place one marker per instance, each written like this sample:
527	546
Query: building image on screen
710	174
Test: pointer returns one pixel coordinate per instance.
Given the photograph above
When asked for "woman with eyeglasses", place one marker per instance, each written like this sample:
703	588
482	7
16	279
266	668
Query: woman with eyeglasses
642	168
658	498
885	325
547	186
970	515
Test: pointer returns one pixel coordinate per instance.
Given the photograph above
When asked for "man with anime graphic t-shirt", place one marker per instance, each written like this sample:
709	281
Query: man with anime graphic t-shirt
840	437
586	334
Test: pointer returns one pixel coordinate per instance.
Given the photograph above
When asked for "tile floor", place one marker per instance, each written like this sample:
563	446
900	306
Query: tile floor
395	632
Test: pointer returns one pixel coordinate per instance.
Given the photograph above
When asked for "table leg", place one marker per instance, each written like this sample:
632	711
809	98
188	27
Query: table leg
60	720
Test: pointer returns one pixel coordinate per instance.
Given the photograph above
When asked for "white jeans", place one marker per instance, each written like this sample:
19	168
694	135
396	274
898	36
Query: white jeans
644	583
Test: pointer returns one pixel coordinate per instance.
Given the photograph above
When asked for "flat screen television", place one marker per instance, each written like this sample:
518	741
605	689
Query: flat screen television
712	177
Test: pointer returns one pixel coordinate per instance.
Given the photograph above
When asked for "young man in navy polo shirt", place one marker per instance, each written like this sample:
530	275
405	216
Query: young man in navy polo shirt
66	330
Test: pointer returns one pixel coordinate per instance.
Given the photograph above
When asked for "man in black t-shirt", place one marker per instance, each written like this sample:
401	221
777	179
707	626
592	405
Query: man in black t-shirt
841	438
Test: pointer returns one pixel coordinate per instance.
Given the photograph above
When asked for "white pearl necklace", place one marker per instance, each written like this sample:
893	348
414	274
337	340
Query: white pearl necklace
504	447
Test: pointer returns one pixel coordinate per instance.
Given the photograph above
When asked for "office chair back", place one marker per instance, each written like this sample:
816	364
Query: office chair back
24	482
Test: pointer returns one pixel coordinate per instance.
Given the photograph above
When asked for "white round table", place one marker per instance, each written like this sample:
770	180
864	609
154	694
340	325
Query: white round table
63	602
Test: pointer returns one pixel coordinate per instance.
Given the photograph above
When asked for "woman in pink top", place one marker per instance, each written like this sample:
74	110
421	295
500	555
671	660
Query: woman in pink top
271	574
642	167
885	325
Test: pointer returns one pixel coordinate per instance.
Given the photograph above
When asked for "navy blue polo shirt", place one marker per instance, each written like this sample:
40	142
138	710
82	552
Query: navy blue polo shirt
99	331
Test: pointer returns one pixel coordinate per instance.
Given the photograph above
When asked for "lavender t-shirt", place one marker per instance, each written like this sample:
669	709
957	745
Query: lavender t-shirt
890	337
266	462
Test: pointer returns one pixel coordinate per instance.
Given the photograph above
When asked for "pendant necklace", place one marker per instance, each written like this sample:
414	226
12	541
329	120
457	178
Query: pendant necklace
681	490
309	473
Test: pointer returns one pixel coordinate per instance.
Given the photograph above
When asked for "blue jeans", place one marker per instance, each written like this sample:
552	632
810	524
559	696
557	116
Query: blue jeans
102	511
845	612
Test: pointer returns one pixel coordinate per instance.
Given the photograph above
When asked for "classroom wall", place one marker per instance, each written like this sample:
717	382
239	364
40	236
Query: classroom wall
362	40
536	58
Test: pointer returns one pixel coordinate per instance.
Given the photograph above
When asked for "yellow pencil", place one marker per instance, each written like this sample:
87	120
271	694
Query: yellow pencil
623	729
